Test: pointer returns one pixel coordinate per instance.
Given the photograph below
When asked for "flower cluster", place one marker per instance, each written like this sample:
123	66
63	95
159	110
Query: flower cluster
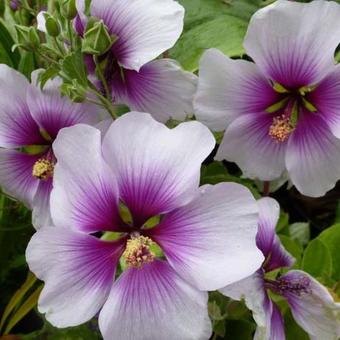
124	231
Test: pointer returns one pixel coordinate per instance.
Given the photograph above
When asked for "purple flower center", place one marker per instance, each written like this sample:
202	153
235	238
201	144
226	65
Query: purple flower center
287	110
297	286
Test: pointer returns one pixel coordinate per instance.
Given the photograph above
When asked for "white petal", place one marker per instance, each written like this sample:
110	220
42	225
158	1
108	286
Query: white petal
78	271
211	241
290	41
85	195
145	28
153	303
229	88
157	168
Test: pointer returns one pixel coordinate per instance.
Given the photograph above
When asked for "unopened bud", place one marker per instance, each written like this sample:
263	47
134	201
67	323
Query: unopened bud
97	39
52	26
68	9
27	37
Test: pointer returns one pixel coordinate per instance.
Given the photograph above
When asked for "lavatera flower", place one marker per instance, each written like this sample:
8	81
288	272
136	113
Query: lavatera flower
180	241
30	120
311	304
280	113
144	29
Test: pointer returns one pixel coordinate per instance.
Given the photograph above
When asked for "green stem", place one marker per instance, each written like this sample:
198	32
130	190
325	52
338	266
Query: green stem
69	31
44	56
105	102
59	47
102	78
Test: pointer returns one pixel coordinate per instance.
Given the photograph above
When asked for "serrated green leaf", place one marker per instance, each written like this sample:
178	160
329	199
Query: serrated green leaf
73	68
317	259
48	74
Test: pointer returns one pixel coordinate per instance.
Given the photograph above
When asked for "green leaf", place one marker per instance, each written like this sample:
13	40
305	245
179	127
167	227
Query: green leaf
292	247
73	68
331	238
225	33
317	259
27	64
283	221
6	42
26	307
88	331
19	294
218	24
300	232
216	172
48	74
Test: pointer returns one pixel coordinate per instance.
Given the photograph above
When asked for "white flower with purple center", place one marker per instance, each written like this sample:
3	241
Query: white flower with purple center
30	120
144	30
179	242
311	304
280	113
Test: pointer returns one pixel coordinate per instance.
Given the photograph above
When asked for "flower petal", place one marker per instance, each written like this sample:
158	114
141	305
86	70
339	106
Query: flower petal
41	21
17	127
16	175
313	156
277	330
157	168
252	290
314	309
41	214
85	193
290	41
154	303
145	28
265	313
247	143
161	87
229	88
326	99
211	241
78	271
53	112
266	238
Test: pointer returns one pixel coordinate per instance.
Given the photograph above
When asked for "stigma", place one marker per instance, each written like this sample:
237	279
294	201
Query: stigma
138	252
43	169
281	128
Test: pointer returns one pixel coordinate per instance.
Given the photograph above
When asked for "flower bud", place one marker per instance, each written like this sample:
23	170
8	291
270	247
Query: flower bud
14	5
97	39
27	37
52	26
68	9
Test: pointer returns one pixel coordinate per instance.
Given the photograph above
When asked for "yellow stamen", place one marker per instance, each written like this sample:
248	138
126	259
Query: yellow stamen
137	251
281	128
43	169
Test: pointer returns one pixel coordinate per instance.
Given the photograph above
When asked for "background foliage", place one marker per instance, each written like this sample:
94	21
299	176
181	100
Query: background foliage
309	228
